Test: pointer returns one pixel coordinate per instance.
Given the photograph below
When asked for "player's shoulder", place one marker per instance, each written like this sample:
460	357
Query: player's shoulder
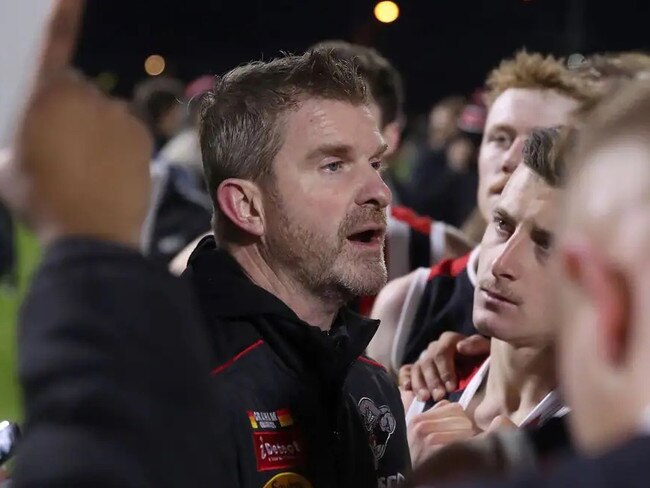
449	267
415	221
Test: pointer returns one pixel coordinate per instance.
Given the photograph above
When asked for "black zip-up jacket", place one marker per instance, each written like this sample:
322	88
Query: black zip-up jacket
305	408
112	356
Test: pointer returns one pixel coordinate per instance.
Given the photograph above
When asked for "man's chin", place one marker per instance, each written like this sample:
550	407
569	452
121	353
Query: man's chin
364	289
364	283
494	328
511	334
484	329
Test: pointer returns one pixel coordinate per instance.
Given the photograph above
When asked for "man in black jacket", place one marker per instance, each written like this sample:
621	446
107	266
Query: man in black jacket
113	358
292	156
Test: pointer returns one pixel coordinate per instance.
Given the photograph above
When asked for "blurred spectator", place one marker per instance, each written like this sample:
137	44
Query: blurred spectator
443	120
446	187
179	211
430	167
158	102
445	180
180	205
184	149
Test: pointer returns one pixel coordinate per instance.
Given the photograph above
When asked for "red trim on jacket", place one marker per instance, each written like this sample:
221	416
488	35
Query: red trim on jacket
371	362
220	369
366	303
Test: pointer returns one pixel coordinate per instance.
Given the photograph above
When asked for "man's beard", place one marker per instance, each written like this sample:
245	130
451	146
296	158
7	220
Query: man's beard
325	265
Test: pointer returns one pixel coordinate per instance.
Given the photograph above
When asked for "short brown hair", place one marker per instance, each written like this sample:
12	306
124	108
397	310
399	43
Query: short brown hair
626	111
242	117
544	153
532	70
627	64
607	72
383	79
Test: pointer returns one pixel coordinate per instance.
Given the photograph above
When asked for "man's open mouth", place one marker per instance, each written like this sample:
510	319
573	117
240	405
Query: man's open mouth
373	235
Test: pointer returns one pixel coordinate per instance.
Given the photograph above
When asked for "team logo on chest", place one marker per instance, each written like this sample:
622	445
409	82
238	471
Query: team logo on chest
380	424
277	441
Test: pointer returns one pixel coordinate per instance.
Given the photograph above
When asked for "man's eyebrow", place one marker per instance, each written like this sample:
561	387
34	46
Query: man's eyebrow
383	147
503	127
342	150
335	149
503	214
541	235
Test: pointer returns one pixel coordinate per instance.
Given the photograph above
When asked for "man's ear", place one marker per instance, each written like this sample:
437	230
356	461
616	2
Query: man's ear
607	291
241	202
392	134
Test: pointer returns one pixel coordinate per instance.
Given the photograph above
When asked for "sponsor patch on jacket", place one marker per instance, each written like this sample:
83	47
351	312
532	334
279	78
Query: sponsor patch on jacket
270	420
380	424
277	441
395	481
288	480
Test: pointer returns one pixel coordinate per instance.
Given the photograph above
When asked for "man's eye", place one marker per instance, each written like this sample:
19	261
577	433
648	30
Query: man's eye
501	139
502	227
543	252
378	165
333	167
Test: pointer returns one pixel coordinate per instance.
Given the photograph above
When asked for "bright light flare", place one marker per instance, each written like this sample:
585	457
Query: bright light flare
386	12
154	65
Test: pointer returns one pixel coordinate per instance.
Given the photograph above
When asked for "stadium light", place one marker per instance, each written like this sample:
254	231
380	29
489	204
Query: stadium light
386	12
154	65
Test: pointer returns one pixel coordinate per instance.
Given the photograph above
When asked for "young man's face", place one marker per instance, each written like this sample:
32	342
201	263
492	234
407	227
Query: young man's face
325	211
510	300
511	118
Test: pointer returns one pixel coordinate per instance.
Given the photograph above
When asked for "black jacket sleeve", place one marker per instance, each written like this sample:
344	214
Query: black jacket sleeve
624	467
114	368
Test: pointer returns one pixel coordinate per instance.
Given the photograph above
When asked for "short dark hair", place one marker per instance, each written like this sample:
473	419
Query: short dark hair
153	97
384	81
241	127
545	153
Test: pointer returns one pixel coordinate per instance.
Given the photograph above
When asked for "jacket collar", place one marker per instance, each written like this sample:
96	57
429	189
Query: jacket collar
227	295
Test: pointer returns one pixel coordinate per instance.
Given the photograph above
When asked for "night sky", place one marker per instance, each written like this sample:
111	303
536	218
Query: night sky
440	46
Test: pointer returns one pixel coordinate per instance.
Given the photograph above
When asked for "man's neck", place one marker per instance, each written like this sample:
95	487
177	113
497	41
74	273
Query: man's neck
317	310
518	379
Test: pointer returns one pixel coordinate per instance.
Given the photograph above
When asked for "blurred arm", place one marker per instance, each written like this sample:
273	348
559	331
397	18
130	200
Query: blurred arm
114	368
